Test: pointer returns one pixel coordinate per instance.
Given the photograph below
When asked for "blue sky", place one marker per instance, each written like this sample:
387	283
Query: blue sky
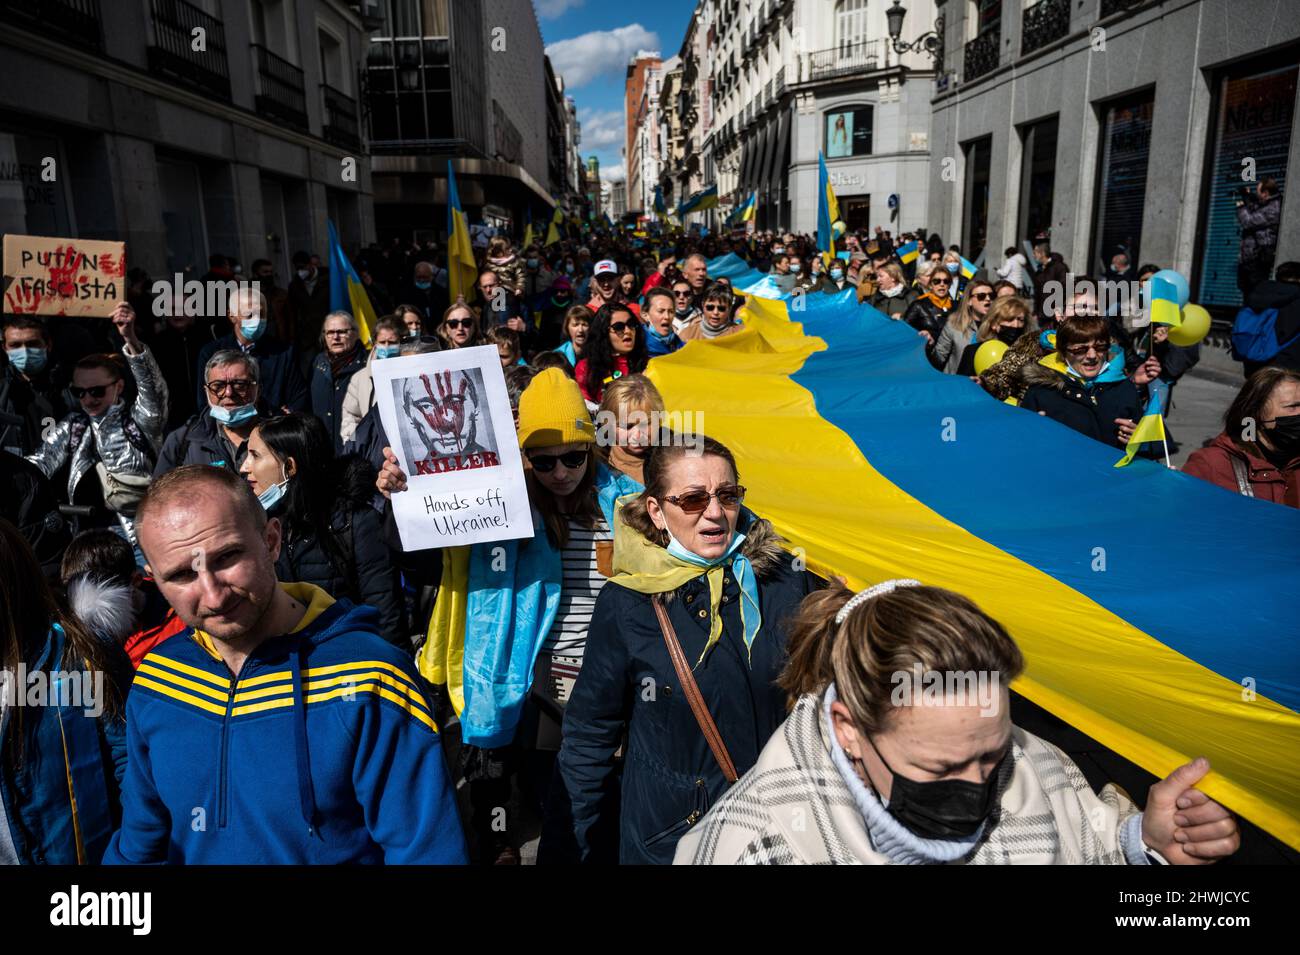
590	43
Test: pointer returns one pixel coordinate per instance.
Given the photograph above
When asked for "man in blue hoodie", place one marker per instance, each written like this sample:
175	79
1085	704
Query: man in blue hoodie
279	727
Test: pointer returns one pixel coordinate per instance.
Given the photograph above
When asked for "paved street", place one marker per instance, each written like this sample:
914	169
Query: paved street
1200	400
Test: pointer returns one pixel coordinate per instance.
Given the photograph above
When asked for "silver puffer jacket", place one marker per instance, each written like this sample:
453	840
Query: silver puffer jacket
105	438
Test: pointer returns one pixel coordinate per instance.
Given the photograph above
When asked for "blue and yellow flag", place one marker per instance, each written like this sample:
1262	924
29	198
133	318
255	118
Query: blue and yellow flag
828	208
909	253
347	294
462	269
968	268
704	199
1163	302
748	210
553	230
1151	427
838	419
528	227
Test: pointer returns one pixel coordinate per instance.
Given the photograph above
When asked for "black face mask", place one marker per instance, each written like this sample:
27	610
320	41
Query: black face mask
943	809
1285	434
1008	335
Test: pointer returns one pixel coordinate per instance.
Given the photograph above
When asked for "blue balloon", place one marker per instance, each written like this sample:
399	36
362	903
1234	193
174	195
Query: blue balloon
1178	282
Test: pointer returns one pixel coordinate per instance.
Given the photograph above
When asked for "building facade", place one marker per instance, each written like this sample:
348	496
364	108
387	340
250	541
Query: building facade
1109	125
185	129
461	81
642	74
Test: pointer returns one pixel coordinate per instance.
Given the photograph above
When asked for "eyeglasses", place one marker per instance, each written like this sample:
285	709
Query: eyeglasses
94	391
982	296
693	502
460	323
618	328
545	463
685	294
939	282
339	334
1078	351
240	387
714	307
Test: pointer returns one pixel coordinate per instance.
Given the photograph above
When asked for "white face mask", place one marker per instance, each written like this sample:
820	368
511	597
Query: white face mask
304	274
894	292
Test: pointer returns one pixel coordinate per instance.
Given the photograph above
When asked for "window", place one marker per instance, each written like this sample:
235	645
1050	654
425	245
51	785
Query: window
988	15
1122	178
975	217
332	69
848	132
850	24
28	204
1037	178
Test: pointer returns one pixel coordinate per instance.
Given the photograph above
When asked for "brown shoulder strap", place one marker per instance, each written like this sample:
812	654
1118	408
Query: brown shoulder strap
693	695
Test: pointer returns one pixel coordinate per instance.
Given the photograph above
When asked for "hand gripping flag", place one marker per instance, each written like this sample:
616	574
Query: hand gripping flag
1150	428
347	294
462	269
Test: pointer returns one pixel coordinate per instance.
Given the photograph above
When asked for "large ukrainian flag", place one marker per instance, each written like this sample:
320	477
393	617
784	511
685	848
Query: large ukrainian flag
1157	613
347	294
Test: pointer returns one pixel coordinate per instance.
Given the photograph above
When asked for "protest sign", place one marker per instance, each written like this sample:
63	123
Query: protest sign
45	276
448	420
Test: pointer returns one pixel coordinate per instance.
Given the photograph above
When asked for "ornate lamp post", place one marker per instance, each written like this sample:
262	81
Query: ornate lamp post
931	43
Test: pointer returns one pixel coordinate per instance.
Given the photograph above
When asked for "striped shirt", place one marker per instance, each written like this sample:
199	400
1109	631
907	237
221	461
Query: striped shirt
578	592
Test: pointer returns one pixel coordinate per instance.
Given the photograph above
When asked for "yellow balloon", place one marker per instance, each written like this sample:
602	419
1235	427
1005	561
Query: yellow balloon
1195	326
988	355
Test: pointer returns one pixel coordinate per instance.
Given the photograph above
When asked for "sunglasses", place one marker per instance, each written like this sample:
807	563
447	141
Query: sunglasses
618	328
693	502
545	463
681	294
1078	351
238	386
95	391
982	296
460	322
714	307
943	282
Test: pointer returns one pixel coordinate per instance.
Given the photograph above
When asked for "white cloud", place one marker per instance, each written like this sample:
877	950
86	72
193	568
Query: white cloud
581	59
550	9
614	173
602	128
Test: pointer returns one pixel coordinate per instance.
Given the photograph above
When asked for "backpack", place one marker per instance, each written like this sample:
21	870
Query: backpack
1254	335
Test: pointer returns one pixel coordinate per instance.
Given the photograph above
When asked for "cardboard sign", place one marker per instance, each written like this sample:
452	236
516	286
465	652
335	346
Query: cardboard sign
44	276
447	416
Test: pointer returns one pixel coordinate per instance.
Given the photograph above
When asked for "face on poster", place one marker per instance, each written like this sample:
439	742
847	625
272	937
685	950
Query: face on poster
448	420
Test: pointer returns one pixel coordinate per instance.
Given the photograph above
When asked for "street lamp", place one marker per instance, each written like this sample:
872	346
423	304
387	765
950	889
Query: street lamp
931	43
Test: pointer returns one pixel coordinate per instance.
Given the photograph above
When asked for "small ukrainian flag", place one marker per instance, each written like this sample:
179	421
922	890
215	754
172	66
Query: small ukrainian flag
1150	428
908	253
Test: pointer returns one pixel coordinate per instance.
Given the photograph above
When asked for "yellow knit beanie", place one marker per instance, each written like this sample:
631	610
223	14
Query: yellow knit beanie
552	412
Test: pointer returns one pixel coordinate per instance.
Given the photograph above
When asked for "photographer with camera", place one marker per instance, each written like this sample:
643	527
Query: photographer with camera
1258	212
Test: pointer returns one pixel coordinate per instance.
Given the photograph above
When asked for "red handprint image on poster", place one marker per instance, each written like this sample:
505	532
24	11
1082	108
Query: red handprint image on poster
445	421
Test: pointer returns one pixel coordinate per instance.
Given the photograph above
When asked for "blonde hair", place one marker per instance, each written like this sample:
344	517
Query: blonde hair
931	628
477	334
632	392
1009	306
965	317
895	271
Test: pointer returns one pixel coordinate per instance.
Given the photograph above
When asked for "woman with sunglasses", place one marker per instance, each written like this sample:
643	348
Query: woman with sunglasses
615	347
1008	318
459	327
526	606
960	329
1082	383
717	315
577	325
108	437
929	313
684	310
686	548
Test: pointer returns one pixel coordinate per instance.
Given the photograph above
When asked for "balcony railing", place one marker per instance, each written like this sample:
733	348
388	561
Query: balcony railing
281	94
340	126
1044	22
780	81
73	21
845	60
981	55
1109	7
173	55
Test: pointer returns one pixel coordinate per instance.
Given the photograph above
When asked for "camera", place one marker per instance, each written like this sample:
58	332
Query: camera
1246	193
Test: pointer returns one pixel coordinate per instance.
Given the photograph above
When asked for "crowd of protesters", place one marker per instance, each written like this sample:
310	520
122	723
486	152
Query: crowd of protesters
205	498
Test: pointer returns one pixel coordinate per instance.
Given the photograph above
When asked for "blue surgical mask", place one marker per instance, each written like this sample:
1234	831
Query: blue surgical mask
424	286
232	416
272	495
796	268
27	360
952	267
252	328
387	351
532	263
836	275
568	267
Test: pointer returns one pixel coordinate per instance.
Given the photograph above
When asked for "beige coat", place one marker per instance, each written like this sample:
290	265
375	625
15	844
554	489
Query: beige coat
358	401
793	807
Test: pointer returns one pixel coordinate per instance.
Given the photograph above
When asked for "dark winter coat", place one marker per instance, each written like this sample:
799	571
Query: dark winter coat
670	777
355	562
328	390
895	307
1259	222
178	354
281	382
305	311
1091	411
196	442
1285	297
1048	277
26	406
